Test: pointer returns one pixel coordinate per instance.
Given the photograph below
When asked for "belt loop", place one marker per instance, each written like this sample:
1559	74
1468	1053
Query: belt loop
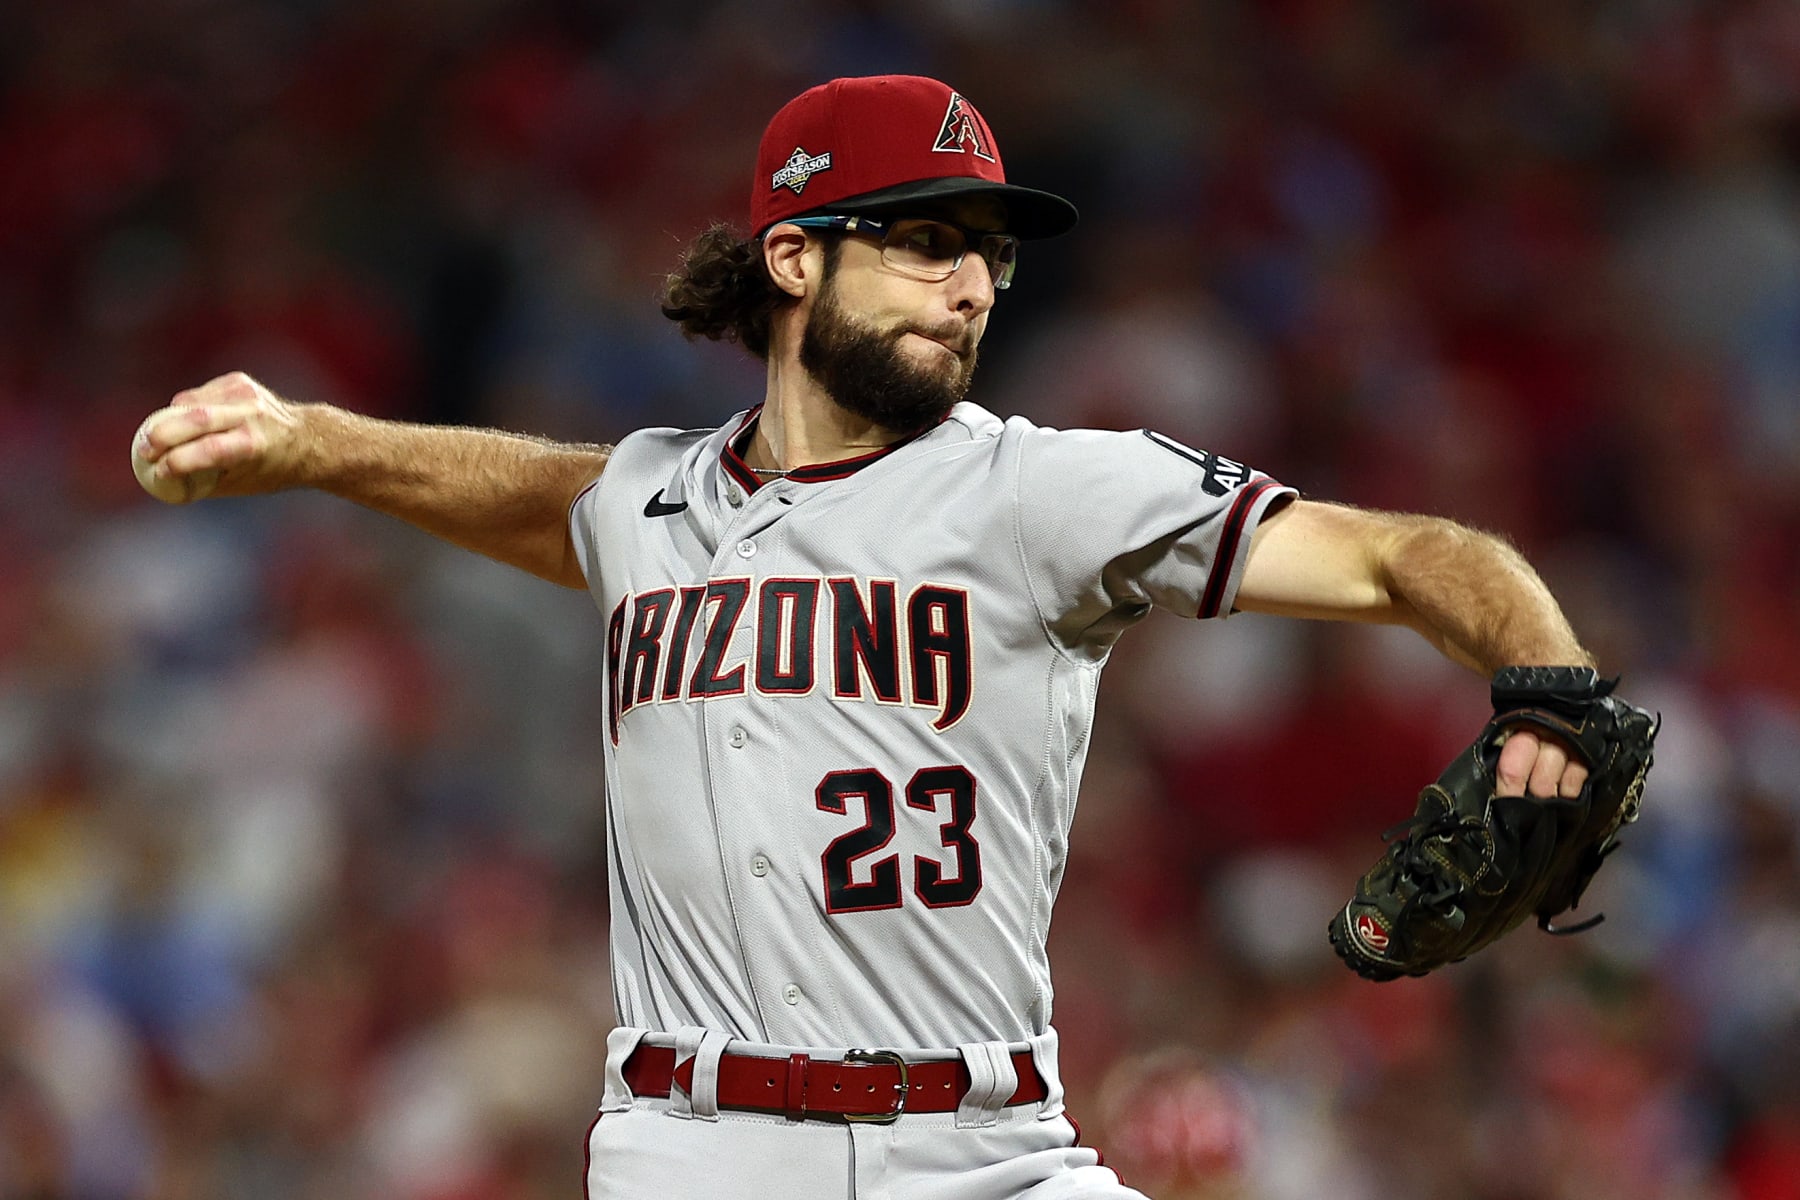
704	1095
992	1081
620	1044
796	1086
1044	1056
687	1045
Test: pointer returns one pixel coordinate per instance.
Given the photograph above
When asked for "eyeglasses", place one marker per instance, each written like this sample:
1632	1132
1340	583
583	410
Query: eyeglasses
925	248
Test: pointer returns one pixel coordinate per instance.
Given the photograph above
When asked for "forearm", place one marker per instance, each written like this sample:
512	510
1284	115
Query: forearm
502	495
1469	593
498	494
1475	597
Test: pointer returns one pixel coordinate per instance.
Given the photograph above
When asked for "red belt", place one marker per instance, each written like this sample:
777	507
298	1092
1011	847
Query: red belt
869	1085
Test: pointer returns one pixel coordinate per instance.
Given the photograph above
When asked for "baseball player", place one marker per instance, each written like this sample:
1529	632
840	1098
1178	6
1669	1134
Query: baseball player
853	638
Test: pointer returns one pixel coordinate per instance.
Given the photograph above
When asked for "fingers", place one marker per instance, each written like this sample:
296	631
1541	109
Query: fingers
1542	767
232	387
213	451
192	422
218	404
231	425
229	436
1546	772
1517	757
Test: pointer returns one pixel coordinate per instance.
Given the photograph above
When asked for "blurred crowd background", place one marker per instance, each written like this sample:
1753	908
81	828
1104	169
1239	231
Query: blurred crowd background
302	889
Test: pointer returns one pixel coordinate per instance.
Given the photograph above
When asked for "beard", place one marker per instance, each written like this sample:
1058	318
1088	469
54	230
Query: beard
864	370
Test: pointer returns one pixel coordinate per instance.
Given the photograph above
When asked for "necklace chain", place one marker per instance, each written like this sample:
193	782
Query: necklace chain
769	471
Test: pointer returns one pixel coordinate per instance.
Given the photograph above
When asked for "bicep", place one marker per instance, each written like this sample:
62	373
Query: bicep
1323	561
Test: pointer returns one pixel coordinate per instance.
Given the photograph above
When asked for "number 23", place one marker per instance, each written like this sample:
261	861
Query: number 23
843	894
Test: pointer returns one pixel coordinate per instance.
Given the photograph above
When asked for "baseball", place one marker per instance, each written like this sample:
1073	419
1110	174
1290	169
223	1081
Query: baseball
170	489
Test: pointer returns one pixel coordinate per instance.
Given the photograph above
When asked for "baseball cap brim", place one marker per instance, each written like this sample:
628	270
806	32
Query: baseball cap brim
1029	212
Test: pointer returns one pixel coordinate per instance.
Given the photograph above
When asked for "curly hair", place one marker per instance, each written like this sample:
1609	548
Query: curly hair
722	290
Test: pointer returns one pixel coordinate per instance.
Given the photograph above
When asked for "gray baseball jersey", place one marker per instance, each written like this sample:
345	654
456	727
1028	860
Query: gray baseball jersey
847	710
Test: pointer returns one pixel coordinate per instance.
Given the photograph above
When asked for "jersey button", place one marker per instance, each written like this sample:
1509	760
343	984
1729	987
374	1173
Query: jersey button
791	993
746	549
735	495
738	737
759	866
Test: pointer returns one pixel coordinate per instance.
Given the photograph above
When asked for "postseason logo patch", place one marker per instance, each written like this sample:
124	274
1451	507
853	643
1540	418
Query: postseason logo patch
799	168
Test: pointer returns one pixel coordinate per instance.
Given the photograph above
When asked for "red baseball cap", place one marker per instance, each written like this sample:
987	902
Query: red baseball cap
876	142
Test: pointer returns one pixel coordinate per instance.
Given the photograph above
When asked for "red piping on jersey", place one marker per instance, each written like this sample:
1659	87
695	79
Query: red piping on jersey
1228	545
587	1155
732	458
1099	1157
592	484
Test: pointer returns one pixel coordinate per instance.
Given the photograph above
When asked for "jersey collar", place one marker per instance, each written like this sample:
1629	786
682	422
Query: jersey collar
732	458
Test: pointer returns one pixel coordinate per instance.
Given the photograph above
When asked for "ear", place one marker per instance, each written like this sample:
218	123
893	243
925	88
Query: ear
785	254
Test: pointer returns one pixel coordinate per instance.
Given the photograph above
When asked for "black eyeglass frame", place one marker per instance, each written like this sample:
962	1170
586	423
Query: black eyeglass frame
973	239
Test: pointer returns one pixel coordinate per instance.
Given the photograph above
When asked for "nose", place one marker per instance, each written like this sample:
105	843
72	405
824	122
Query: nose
972	286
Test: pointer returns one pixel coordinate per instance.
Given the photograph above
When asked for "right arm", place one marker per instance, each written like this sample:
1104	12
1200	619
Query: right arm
503	495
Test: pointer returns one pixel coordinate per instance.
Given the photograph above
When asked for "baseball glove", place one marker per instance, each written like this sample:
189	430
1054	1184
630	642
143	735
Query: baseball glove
1469	866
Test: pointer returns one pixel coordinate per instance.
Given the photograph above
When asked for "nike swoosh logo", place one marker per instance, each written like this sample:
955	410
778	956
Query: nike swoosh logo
656	507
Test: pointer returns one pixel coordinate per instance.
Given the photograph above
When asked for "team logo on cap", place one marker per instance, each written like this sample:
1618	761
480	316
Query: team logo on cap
962	131
799	168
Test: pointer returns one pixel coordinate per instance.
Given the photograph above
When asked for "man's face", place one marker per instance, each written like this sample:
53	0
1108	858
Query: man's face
896	350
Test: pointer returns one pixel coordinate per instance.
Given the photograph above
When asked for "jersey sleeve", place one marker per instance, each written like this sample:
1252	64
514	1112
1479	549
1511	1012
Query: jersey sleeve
1111	524
604	518
594	519
583	522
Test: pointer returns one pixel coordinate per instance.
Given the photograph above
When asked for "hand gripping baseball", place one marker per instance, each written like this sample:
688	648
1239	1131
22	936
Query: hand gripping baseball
1472	863
230	437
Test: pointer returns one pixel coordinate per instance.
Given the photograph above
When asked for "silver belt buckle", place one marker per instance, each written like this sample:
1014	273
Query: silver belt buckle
900	1089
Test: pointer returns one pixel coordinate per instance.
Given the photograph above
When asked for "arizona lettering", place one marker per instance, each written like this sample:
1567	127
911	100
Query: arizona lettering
789	637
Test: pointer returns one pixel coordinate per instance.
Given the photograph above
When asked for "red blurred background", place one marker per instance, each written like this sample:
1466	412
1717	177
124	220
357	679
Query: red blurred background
302	883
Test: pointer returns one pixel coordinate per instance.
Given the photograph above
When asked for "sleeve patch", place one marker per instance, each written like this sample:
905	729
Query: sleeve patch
1220	476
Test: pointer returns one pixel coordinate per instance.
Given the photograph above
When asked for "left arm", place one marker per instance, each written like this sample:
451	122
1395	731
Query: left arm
1469	593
